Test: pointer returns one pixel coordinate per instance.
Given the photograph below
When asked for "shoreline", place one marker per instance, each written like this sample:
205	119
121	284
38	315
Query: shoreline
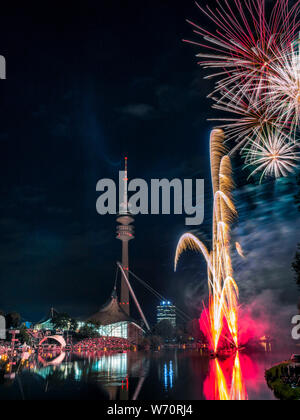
281	390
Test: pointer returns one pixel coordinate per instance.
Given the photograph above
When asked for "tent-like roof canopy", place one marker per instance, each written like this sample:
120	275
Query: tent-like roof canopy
48	318
111	313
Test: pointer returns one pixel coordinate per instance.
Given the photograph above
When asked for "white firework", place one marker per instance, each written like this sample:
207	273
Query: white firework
273	154
283	95
251	117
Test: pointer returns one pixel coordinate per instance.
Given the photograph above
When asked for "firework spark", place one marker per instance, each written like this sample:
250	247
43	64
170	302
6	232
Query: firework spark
283	94
273	154
239	250
251	117
245	42
256	61
223	290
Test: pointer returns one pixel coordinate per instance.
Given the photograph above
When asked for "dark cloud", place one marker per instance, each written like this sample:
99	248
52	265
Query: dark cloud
142	111
269	239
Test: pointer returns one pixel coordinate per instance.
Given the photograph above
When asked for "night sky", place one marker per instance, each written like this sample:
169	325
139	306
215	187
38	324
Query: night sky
86	86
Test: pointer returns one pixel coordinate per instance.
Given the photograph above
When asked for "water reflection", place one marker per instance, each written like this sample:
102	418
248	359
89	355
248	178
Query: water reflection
168	371
168	375
110	371
136	376
225	380
55	362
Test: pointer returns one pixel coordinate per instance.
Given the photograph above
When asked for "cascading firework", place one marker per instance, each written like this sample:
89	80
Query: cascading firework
223	291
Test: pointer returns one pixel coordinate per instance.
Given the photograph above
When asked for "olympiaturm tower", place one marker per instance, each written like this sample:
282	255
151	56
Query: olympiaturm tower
125	232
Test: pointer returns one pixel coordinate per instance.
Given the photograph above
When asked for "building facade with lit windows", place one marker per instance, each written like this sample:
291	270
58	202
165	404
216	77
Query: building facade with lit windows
113	321
166	311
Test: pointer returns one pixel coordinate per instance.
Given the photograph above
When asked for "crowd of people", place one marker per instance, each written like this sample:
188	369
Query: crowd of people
102	343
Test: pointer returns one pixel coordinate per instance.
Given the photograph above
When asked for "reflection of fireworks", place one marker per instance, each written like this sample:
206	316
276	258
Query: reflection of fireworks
238	390
218	385
273	154
223	290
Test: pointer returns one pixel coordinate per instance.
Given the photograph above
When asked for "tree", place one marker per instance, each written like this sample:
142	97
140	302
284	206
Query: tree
296	265
64	321
13	320
145	343
164	329
73	324
181	334
193	329
156	341
96	324
88	331
24	336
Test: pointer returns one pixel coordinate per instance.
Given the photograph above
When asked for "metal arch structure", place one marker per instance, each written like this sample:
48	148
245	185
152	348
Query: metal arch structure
57	338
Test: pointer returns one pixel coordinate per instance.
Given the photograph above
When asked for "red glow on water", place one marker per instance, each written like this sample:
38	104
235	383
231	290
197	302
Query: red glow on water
227	378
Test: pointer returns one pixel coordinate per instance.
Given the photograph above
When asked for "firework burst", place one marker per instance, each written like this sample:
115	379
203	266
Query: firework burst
255	59
251	117
245	42
283	94
273	154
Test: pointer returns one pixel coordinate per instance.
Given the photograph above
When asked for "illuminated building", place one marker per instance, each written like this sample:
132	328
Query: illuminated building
166	311
113	321
46	323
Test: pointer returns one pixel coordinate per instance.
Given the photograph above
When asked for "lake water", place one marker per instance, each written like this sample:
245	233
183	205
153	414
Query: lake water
165	375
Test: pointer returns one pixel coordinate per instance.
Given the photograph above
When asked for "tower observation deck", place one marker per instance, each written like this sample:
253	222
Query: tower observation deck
125	233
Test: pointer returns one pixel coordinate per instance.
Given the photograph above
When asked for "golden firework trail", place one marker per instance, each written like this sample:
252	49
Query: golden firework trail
223	290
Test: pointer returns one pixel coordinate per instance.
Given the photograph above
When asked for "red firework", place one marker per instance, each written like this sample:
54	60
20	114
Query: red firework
246	41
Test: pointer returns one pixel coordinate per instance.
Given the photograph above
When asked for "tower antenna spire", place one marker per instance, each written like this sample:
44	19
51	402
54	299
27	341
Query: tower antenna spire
125	233
126	186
